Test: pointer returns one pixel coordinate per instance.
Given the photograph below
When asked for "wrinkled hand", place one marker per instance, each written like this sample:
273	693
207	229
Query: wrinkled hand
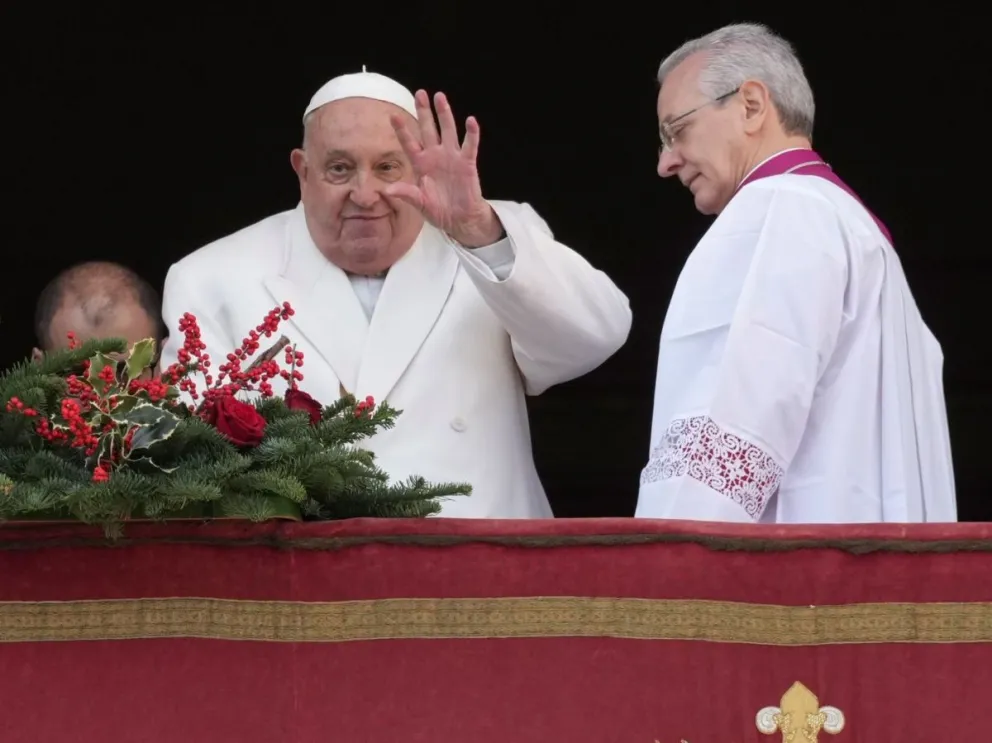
447	190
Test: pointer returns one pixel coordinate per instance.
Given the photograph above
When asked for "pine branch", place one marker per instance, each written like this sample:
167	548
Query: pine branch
59	362
183	462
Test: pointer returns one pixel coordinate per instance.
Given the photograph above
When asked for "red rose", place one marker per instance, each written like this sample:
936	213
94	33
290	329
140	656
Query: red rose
238	421
297	400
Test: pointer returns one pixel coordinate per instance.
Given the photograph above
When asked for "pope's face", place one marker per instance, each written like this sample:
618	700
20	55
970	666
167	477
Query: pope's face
351	154
708	139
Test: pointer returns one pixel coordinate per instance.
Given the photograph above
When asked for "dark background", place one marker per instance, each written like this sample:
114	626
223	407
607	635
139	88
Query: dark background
137	137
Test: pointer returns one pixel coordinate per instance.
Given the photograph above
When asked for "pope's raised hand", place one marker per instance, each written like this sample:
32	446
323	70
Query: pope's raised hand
447	190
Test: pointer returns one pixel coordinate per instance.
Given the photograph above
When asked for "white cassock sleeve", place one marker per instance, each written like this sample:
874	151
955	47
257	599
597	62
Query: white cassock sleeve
724	462
183	293
563	316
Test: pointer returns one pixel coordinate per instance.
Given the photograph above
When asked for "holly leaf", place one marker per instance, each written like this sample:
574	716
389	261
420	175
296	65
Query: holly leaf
140	358
125	404
145	463
104	449
133	411
98	363
148	435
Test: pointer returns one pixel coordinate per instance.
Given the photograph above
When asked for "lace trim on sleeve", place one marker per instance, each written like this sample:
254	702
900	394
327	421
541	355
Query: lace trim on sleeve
732	466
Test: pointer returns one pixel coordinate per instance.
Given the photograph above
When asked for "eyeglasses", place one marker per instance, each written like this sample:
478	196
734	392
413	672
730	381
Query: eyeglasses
666	131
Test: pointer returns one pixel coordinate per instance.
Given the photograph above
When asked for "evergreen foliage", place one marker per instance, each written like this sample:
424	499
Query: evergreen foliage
150	455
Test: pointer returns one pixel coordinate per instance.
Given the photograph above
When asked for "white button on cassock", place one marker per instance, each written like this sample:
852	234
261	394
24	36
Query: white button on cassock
458	424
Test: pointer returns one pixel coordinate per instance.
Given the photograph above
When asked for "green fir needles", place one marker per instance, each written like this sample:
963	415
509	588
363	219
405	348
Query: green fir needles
90	434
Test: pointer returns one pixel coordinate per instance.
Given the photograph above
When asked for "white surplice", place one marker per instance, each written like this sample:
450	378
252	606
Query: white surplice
797	382
454	338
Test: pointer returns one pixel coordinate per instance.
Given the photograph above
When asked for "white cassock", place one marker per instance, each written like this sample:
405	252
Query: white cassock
452	337
797	382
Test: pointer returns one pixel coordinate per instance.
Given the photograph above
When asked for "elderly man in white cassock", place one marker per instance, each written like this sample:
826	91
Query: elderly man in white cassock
797	381
411	287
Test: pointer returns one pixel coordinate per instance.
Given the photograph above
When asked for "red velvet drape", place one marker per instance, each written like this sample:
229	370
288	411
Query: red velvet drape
489	631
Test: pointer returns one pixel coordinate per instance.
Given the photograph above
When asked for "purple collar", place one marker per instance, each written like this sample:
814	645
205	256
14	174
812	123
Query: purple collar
782	163
806	162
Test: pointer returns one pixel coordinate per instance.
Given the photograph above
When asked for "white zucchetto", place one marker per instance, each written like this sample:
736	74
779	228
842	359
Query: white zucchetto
363	85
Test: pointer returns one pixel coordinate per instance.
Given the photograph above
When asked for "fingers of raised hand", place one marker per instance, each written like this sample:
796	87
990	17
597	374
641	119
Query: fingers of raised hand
407	138
448	128
425	117
470	148
446	118
448	138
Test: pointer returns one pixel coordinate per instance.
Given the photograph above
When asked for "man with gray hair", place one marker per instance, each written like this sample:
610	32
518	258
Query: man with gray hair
797	381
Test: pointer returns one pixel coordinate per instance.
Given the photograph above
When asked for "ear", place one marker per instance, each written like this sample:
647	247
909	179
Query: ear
37	355
298	159
757	104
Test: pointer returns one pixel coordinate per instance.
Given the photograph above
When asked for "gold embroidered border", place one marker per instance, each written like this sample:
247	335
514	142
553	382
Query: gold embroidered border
426	618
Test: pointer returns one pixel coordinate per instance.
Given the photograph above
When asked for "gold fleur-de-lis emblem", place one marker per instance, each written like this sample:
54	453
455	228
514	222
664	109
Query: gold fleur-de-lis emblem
799	717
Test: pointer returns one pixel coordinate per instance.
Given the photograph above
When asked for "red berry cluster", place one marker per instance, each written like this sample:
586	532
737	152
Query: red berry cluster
365	406
108	375
77	432
43	427
79	405
233	376
156	389
191	356
83	399
80	434
14	405
81	390
294	360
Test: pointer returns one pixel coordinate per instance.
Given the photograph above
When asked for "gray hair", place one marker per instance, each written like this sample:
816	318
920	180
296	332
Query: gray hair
750	51
307	128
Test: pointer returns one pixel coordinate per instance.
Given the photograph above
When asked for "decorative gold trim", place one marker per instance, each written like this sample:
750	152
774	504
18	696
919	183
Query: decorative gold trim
799	717
426	618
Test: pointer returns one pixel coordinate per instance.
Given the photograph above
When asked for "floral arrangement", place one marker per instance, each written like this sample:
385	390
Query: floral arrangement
90	433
